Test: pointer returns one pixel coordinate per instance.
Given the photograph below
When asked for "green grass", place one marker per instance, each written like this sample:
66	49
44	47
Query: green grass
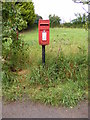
63	80
67	39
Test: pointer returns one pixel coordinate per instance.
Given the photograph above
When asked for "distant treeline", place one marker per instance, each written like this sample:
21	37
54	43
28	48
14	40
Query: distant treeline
81	21
30	20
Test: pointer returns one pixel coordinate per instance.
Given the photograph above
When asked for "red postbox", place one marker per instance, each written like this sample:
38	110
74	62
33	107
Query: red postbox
43	28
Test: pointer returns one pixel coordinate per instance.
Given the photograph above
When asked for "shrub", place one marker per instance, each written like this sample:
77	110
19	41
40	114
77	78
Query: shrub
14	50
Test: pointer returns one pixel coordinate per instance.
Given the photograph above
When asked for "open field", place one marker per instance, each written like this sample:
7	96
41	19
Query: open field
65	39
63	80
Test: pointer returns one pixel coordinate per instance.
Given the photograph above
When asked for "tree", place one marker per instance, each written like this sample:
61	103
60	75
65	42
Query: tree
37	18
82	1
27	12
54	20
87	23
80	20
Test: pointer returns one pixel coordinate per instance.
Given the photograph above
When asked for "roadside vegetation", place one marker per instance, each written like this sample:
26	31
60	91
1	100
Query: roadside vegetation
63	79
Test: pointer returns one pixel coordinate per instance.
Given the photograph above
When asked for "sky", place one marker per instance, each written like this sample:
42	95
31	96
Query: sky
65	9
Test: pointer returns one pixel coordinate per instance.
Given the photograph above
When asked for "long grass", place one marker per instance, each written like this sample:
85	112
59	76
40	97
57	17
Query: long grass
63	80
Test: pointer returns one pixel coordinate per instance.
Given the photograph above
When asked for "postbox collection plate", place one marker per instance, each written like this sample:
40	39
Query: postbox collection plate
44	35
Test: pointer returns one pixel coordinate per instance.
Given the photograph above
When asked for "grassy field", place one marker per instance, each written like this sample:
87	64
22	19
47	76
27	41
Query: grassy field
66	39
63	80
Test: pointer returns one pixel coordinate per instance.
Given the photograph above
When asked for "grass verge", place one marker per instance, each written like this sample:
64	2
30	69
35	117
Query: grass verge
63	80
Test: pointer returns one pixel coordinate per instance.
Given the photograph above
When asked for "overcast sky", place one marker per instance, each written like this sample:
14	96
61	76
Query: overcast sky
65	9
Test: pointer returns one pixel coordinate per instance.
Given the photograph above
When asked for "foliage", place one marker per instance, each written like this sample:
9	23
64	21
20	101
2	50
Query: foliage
15	54
14	19
87	2
63	80
14	90
67	25
37	18
63	94
82	1
54	21
27	12
79	22
61	70
14	50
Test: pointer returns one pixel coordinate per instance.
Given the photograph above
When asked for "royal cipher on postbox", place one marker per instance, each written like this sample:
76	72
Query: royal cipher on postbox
43	28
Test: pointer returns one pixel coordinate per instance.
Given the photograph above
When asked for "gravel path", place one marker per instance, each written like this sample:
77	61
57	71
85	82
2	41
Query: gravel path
30	109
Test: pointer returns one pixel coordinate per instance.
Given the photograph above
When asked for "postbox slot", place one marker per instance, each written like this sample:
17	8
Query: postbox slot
44	24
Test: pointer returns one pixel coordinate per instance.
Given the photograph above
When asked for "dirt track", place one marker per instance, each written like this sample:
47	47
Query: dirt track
29	109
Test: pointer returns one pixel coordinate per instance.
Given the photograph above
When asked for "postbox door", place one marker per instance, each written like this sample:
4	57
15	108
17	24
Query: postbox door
44	37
